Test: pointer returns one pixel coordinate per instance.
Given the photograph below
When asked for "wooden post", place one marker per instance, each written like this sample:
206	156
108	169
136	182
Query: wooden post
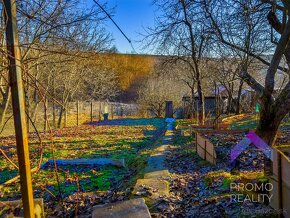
78	108
195	140
215	124
27	110
53	102
279	182
18	104
100	110
45	114
91	111
197	115
112	111
65	116
53	115
218	108
205	150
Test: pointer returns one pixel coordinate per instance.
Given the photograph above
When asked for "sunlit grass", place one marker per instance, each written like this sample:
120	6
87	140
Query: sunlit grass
130	142
249	123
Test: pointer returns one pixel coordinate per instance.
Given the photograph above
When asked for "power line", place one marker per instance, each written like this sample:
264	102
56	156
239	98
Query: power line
109	16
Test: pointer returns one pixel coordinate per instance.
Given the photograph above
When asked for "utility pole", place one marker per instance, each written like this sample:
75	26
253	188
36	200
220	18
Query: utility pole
18	104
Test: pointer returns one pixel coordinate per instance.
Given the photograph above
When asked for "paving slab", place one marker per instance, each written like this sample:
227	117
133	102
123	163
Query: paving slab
154	185
17	204
156	163
161	187
134	208
160	174
161	149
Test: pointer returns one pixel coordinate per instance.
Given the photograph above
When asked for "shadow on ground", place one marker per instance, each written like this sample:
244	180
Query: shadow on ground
130	122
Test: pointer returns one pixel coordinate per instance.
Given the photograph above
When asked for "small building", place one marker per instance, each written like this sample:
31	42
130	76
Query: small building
210	105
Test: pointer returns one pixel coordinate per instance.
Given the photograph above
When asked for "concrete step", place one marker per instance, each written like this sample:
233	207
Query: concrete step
160	174
134	208
157	187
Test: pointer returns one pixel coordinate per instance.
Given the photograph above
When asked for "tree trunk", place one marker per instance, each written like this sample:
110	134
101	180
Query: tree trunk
195	56
60	117
4	105
238	108
91	111
267	130
268	126
192	104
34	112
158	110
200	103
230	103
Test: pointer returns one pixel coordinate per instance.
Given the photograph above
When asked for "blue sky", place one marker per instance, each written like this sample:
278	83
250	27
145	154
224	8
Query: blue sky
130	15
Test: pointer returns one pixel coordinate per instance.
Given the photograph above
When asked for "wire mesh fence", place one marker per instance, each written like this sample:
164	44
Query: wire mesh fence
76	113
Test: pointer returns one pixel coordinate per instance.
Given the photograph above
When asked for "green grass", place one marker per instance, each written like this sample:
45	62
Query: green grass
227	182
250	123
130	140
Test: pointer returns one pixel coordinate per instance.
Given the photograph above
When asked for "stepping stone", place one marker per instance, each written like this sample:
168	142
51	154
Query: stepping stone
14	205
169	133
156	163
98	161
156	174
161	149
161	187
135	208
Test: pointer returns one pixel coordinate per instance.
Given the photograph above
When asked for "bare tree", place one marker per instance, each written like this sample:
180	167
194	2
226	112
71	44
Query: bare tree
180	31
158	88
273	108
52	34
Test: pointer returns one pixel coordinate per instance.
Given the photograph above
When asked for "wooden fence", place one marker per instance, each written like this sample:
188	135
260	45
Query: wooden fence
281	180
205	149
281	167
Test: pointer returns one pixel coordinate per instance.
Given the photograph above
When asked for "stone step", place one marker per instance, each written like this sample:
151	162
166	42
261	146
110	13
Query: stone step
154	185
156	163
157	187
134	208
17	204
160	174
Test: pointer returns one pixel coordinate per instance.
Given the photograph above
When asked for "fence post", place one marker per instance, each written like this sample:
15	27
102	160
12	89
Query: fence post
45	114
53	114
205	149
196	140
280	183
18	104
91	111
28	112
65	116
112	111
78	108
100	110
